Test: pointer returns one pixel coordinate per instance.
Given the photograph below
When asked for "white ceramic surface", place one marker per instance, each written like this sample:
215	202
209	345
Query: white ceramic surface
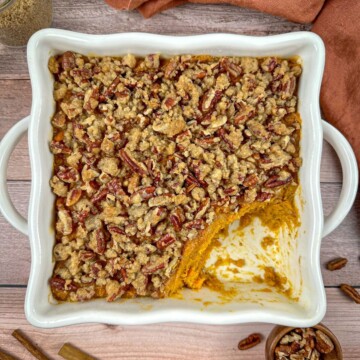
41	310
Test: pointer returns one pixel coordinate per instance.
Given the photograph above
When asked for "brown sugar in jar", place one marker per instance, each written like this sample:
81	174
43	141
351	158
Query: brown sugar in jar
19	19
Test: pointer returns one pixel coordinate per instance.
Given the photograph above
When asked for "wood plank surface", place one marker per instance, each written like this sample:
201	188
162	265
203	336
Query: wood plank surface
344	241
164	341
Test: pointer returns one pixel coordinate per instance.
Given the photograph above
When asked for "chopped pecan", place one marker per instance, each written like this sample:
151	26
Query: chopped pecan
231	68
91	100
263	196
60	284
288	88
207	142
197	224
169	103
133	164
86	255
209	100
243	116
165	241
170	69
146	193
68	60
68	174
84	73
100	195
58	147
204	205
274	181
115	187
112	87
65	223
73	197
191	179
152	267
251	180
59	120
176	222
100	240
116	229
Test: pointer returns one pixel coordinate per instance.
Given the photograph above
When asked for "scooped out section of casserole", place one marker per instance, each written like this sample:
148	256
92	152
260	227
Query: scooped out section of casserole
154	156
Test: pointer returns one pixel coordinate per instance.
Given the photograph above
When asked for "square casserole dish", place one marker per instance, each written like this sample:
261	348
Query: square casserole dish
43	311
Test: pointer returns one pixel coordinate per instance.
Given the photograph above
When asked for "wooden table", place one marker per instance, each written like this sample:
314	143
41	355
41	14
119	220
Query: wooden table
163	341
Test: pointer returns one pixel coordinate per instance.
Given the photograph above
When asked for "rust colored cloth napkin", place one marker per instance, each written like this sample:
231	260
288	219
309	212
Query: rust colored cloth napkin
336	21
303	11
339	26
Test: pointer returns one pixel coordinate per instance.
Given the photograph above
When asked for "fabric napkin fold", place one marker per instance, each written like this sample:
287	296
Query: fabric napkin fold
303	11
339	26
336	21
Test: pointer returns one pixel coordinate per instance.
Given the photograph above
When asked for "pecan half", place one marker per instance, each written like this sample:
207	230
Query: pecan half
274	181
249	342
323	343
351	292
336	264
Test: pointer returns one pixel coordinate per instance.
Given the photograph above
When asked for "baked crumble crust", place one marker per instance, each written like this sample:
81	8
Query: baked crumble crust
148	151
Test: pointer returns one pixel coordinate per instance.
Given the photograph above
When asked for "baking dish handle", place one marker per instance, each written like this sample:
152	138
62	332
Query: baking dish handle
7	146
350	177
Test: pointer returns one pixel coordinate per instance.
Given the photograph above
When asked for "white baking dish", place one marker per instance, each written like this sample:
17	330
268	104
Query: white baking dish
41	309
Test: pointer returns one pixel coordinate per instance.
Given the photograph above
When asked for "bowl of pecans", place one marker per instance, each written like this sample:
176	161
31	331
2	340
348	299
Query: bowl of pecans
314	343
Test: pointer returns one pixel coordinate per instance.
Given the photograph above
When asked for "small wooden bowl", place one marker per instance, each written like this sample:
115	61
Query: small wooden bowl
279	331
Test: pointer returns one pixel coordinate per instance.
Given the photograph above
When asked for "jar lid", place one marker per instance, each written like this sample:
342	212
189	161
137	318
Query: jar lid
4	3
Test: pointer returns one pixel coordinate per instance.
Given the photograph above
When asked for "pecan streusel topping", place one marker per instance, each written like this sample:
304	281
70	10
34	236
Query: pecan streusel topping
148	150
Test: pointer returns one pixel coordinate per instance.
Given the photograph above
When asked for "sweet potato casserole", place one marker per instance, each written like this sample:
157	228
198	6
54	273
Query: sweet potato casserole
154	156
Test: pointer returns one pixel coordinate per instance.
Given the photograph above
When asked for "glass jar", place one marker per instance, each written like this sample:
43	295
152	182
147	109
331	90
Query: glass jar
19	19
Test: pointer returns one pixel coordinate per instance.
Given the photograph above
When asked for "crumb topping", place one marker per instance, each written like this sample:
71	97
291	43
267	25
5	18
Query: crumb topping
148	150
